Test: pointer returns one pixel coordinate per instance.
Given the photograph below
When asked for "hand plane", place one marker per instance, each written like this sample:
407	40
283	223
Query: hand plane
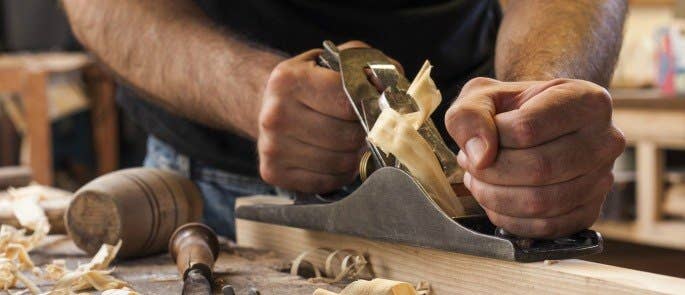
390	204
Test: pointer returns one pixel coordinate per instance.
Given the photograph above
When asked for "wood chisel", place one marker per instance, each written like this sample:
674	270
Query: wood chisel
195	247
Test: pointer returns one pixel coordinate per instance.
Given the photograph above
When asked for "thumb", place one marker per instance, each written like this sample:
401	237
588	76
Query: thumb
470	121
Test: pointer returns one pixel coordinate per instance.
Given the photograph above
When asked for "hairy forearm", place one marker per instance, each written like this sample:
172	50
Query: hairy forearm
545	39
169	50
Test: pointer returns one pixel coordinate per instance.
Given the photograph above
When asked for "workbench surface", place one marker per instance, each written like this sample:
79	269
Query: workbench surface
243	268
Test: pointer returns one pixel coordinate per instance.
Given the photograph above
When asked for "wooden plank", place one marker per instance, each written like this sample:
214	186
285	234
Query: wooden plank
649	186
454	273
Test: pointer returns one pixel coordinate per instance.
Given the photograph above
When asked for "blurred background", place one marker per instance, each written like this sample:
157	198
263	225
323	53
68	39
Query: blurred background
58	117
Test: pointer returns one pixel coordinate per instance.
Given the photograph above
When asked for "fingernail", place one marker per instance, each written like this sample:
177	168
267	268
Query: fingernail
475	148
467	180
462	159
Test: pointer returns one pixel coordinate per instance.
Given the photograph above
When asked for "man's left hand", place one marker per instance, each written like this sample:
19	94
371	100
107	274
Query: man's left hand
538	155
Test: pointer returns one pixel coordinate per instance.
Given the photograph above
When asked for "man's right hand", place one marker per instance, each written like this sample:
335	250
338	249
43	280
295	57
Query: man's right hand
310	139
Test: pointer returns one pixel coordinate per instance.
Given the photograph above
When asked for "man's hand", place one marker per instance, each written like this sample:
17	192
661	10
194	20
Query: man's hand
538	154
310	139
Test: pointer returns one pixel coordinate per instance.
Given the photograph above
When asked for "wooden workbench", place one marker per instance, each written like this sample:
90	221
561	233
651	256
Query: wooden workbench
241	267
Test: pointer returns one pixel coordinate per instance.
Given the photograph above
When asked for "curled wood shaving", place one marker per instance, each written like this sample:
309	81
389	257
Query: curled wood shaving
393	134
397	134
352	266
103	257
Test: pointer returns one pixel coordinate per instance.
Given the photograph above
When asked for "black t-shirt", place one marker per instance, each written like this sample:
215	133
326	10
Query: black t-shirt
457	36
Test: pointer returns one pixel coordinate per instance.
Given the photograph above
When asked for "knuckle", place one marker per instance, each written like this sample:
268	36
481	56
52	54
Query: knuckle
618	141
272	117
268	172
600	100
606	182
525	131
496	219
354	44
268	150
477	83
282	77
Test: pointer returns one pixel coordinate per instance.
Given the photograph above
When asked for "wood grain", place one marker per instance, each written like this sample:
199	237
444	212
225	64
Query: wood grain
453	273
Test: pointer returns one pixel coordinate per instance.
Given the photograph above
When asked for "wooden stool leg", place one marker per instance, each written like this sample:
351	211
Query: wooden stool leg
34	97
104	119
650	165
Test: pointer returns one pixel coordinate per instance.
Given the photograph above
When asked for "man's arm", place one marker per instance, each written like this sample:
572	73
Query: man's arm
171	51
546	39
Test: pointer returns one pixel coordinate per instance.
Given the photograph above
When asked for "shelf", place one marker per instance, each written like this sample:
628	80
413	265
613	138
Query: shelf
667	234
624	98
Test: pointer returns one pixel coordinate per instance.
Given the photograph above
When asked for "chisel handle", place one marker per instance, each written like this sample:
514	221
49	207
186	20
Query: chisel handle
194	246
15	176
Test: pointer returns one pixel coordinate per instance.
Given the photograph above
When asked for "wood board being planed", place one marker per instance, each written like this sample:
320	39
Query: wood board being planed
454	273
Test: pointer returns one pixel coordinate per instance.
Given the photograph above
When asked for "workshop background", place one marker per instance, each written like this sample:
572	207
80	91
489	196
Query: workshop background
58	118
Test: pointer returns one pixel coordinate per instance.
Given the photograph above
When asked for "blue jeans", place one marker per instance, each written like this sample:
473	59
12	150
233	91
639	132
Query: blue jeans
219	188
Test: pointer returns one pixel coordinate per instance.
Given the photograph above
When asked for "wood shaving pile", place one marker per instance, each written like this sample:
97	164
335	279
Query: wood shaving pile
397	134
15	245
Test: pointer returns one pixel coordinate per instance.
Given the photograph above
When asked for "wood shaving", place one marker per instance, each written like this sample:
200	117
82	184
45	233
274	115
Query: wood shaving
397	134
55	270
14	257
353	266
123	291
15	246
93	274
26	209
426	95
373	287
393	134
